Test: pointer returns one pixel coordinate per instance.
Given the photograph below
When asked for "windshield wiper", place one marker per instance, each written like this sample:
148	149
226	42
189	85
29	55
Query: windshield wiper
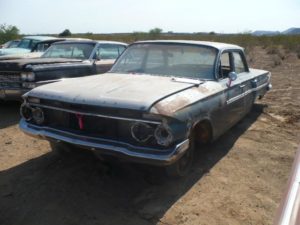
187	80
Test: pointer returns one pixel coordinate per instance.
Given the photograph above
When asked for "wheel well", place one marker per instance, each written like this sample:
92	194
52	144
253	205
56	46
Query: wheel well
202	132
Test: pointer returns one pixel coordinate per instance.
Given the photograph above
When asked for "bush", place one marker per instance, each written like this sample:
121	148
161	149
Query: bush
65	33
8	32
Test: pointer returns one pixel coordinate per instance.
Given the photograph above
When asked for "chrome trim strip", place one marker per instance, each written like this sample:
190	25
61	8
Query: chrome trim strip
136	153
238	97
93	114
48	81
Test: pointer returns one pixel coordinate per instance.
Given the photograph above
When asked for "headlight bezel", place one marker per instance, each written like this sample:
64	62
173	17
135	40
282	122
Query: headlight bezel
135	127
36	112
163	135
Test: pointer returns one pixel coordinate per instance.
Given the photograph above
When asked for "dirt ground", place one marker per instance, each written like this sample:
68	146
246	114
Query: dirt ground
237	180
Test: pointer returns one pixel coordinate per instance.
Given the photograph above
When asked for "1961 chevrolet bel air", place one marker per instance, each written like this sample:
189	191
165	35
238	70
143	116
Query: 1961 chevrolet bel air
158	100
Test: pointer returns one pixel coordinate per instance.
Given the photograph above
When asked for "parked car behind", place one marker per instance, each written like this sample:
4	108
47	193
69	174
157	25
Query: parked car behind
10	44
38	49
62	60
25	45
158	101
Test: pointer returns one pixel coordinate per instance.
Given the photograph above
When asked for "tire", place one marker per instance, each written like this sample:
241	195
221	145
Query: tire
182	166
61	148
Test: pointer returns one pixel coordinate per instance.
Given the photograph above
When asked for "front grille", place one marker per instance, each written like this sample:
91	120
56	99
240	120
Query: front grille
93	126
10	80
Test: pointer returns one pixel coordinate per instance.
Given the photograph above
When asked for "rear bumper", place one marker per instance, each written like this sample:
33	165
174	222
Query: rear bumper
109	147
12	94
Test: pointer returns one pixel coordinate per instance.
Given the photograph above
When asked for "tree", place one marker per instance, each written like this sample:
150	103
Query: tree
8	32
65	33
155	32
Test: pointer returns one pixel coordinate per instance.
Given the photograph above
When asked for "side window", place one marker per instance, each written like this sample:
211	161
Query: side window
225	67
121	48
33	43
108	51
41	47
238	63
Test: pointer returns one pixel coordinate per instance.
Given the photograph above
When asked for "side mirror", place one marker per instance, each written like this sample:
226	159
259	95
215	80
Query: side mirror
232	76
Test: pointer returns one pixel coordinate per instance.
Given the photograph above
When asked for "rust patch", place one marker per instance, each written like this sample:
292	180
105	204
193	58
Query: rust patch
203	89
169	107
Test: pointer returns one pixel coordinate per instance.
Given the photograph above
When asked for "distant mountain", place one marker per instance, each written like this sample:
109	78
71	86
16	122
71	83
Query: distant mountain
292	31
265	33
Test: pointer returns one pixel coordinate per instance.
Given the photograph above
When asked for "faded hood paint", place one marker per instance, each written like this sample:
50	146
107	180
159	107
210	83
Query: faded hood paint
21	56
19	64
10	51
138	92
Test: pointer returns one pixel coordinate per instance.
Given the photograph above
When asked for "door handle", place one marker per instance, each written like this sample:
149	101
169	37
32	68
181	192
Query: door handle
243	85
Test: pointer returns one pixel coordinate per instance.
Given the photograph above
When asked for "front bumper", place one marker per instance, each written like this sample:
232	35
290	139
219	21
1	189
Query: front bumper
109	147
12	93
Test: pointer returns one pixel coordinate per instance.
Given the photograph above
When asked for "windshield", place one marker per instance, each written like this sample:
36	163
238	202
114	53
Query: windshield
179	60
70	50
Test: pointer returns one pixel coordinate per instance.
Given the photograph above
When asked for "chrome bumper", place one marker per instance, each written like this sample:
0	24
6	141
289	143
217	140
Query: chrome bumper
110	147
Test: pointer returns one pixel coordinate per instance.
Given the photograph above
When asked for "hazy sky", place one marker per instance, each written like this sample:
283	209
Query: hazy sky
104	16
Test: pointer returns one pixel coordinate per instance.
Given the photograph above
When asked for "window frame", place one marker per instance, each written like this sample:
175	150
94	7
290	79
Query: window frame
230	51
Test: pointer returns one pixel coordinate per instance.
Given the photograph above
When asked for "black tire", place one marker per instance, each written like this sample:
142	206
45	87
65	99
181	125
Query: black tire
62	148
182	166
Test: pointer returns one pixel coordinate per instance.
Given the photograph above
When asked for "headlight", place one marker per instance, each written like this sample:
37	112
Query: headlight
28	76
141	132
163	135
26	112
38	115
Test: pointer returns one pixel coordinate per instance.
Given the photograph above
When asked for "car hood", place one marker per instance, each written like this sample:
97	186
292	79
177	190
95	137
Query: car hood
138	92
21	56
19	64
10	51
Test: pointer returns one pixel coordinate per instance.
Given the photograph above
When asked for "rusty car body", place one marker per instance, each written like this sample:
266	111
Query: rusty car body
63	59
158	100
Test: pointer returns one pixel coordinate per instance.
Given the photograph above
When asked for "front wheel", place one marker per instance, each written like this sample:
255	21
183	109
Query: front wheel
182	166
62	148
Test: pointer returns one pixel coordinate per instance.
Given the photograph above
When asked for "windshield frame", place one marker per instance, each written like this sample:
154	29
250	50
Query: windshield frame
213	75
70	43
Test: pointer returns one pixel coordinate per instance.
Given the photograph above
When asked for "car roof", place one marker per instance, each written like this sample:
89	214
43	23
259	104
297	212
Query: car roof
216	45
40	38
65	39
111	42
91	41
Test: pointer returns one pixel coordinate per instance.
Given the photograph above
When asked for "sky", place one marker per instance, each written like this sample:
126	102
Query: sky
118	16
